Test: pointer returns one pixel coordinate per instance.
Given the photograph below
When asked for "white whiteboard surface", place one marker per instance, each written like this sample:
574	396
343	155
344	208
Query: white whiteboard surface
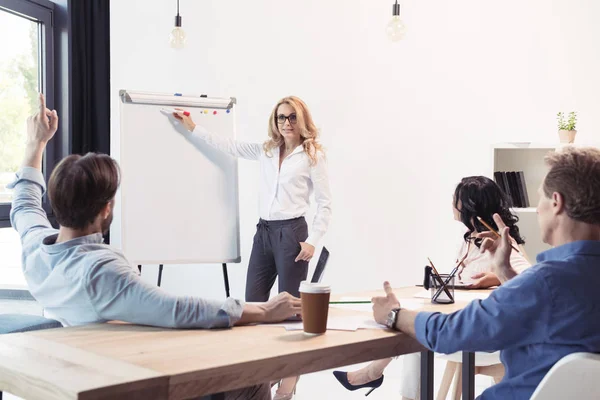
178	204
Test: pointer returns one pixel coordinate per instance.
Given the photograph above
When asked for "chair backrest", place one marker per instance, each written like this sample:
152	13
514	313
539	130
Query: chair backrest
575	376
14	323
318	274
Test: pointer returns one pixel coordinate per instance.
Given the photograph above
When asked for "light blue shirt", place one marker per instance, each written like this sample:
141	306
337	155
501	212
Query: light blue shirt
85	281
547	312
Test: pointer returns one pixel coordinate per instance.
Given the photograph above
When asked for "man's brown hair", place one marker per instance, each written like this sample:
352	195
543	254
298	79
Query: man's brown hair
575	174
80	187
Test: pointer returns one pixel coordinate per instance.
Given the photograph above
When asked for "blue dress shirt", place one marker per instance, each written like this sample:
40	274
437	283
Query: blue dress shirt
540	316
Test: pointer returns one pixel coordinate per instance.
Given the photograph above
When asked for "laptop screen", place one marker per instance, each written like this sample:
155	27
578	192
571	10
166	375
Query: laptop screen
318	274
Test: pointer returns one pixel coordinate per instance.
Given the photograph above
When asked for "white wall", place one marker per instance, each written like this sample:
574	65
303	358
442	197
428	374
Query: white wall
403	122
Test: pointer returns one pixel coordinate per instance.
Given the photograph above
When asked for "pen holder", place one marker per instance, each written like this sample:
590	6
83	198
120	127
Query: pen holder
442	293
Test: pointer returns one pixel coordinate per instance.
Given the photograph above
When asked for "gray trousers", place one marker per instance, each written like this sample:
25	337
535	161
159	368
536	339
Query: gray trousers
275	248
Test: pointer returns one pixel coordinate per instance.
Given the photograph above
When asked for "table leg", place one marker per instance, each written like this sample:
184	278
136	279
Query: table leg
468	375
427	375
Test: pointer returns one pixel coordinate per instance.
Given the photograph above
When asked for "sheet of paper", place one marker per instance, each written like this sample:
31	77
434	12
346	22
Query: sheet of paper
423	294
470	295
354	307
412	304
350	323
348	298
346	323
371	324
458	295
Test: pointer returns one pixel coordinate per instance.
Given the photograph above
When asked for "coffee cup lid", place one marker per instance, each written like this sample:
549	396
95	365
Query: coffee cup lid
309	287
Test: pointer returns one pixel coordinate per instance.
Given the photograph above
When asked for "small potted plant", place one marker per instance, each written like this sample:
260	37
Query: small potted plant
566	129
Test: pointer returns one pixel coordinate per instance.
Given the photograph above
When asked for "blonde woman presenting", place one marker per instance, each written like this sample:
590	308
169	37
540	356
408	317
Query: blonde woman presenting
292	167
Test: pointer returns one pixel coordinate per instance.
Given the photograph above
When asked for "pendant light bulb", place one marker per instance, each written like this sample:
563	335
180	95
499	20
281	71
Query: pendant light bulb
177	37
395	29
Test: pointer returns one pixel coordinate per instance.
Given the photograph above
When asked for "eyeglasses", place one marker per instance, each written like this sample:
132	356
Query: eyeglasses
292	118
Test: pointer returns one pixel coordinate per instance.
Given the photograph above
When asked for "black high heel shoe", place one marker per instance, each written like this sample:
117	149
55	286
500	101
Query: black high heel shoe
342	377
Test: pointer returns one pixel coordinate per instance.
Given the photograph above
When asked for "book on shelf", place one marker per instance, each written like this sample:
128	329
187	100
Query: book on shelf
522	189
513	184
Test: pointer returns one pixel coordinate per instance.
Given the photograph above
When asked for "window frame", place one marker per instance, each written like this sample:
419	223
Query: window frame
38	11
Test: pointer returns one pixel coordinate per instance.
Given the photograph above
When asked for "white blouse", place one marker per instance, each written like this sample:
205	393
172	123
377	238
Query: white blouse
283	193
476	262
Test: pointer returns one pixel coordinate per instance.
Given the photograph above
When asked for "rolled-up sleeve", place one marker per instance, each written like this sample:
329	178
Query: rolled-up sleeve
320	180
116	292
201	136
515	314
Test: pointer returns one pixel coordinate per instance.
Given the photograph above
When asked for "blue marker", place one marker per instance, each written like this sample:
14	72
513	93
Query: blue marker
177	94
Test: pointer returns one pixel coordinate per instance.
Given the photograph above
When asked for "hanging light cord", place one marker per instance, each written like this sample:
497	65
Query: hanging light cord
178	7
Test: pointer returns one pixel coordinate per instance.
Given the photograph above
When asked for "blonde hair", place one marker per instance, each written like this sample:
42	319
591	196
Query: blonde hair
308	131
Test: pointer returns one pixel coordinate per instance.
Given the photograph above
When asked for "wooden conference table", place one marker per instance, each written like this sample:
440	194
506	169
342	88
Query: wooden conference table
122	361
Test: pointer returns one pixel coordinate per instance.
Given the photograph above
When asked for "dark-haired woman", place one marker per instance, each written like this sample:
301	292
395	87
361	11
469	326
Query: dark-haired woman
474	196
480	196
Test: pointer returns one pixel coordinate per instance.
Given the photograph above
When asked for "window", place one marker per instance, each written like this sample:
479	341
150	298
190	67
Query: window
26	68
19	86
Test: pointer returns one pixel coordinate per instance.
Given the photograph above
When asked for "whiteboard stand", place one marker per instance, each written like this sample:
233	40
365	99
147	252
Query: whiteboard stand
225	277
188	183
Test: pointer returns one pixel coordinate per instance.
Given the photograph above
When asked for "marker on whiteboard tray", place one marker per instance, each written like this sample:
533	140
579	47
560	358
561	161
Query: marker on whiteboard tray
174	111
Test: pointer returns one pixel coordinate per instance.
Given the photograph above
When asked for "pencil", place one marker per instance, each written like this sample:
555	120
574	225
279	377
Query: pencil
495	233
433	266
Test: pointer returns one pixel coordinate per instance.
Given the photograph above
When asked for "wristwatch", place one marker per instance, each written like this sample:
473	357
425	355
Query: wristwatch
392	318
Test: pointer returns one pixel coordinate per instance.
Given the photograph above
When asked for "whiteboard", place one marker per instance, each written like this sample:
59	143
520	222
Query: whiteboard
178	204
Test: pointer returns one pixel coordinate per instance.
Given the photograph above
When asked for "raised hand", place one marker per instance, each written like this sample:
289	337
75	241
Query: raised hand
42	126
498	247
186	120
384	304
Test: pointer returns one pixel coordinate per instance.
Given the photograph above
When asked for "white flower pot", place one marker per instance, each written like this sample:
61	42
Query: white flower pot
566	136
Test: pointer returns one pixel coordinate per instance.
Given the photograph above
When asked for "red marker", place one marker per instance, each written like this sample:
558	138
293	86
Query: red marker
174	111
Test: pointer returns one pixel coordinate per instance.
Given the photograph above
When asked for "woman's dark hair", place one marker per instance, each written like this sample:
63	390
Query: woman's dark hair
478	196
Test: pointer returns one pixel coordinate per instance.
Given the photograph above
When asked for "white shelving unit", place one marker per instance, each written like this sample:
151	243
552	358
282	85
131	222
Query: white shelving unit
529	158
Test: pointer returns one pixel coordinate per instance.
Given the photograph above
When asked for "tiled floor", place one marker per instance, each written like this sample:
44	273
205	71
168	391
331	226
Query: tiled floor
318	386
